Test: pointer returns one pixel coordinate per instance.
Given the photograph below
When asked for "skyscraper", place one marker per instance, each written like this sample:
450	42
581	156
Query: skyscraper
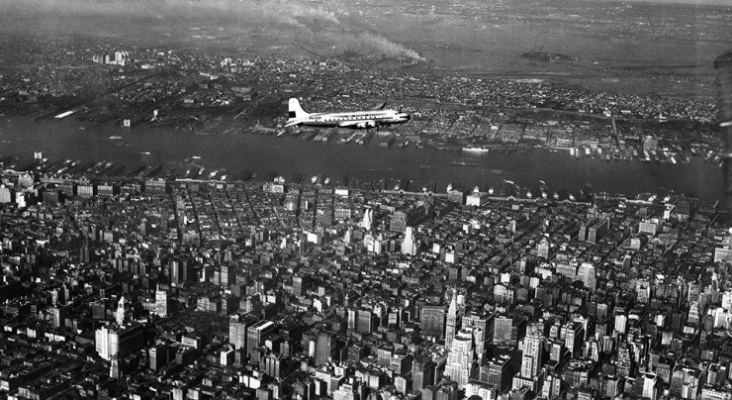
588	275
101	342
257	333
180	271
297	285
238	325
497	371
324	347
365	321
533	351
226	275
461	358
352	319
158	357
58	314
451	324
368	219
161	303
423	373
503	330
432	320
409	247
119	342
120	314
480	322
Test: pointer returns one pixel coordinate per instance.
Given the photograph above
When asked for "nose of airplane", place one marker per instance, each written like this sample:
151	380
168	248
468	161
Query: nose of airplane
405	116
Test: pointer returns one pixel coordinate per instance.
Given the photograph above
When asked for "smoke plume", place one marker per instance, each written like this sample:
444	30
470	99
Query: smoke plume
328	31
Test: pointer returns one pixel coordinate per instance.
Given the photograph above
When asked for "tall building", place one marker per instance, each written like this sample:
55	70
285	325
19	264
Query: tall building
297	285
324	348
480	322
273	365
573	333
503	330
451	324
533	351
158	357
119	341
409	246
368	219
101	342
588	275
365	321
352	318
180	272
238	325
257	333
552	387
621	322
498	371
58	314
650	390
432	320
423	373
226	276
461	358
114	372
161	303
121	314
625	363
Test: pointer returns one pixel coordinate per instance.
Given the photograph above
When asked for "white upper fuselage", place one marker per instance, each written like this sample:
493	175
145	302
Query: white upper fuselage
353	119
368	119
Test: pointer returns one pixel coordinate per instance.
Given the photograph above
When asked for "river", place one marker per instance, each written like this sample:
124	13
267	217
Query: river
72	139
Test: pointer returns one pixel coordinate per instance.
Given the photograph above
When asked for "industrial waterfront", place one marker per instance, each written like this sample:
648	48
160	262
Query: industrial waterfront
287	156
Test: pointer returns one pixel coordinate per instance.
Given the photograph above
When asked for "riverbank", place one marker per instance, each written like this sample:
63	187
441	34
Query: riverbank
289	157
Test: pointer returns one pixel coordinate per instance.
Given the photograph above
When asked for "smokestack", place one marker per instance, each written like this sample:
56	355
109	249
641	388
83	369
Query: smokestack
723	65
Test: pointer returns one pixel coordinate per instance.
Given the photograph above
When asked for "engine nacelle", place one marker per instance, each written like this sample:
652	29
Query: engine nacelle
366	124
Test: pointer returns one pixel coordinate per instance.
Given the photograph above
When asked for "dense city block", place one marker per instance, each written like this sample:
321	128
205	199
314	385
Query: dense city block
192	289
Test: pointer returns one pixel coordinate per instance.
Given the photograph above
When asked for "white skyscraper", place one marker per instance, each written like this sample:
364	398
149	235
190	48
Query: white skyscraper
102	342
461	359
479	324
161	303
588	275
368	219
120	314
409	247
451	321
533	351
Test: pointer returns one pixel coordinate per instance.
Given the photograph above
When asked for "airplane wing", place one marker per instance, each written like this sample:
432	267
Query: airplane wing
293	122
381	107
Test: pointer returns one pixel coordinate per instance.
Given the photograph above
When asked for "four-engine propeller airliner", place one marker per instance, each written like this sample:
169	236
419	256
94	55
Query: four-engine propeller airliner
356	119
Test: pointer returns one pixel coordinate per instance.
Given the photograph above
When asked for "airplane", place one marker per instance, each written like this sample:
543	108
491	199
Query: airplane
355	119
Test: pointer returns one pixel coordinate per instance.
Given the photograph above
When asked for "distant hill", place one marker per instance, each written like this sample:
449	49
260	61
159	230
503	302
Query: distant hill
721	3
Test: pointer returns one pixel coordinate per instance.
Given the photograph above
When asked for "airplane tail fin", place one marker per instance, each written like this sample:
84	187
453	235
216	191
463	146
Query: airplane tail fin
379	107
296	112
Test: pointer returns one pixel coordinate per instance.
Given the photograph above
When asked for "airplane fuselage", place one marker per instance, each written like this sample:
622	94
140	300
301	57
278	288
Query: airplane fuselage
386	117
353	119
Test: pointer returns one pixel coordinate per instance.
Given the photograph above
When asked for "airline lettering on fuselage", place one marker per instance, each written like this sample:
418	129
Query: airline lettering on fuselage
358	120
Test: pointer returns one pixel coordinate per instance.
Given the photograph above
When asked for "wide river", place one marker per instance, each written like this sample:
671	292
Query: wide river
287	155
